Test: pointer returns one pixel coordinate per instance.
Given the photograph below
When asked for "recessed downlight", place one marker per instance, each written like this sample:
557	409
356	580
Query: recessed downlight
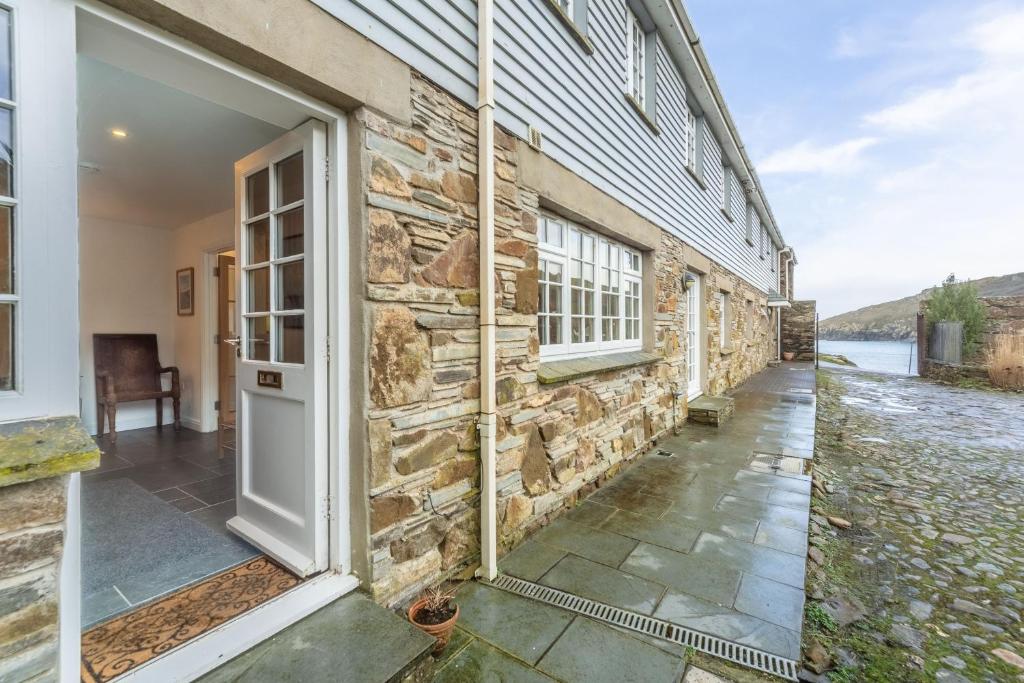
119	133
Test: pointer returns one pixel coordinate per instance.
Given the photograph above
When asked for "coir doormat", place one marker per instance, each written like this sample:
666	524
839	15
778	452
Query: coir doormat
130	640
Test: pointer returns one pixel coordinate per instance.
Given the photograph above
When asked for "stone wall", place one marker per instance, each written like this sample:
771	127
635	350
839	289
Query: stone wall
1003	315
798	329
556	442
31	543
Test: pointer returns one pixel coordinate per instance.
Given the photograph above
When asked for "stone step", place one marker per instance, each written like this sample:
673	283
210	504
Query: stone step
710	410
352	639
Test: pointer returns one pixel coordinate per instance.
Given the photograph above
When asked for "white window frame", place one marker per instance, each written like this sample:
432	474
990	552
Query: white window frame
628	271
691	140
636	59
723	320
566	5
13	298
727	190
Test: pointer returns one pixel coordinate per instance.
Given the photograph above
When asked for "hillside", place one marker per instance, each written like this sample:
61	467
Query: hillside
896	320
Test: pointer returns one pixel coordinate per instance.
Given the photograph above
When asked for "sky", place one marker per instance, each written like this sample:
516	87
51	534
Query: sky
889	136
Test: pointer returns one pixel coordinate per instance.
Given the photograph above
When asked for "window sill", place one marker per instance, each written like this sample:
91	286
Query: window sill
571	26
39	449
553	372
727	350
696	177
727	215
638	108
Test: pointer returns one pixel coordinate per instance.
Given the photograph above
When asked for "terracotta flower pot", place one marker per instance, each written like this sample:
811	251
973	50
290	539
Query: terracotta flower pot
442	632
788	355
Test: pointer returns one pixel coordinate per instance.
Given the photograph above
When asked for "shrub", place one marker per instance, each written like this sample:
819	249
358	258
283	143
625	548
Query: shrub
958	301
1005	361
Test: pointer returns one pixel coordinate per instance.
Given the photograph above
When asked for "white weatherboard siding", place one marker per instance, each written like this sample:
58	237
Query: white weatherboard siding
544	78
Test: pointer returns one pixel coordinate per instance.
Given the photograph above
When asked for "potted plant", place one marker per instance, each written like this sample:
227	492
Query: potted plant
435	614
788	355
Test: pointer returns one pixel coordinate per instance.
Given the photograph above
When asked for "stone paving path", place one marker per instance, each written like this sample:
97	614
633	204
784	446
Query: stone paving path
928	582
699	537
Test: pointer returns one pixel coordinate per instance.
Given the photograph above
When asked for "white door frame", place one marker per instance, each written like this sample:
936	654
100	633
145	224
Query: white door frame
695	295
208	387
120	39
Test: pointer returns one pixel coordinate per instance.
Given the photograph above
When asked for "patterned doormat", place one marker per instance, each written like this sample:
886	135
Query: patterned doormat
130	640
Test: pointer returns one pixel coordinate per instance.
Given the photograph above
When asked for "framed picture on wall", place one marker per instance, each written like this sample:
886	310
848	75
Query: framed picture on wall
185	287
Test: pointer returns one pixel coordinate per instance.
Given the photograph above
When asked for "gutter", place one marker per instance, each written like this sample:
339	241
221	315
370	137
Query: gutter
488	420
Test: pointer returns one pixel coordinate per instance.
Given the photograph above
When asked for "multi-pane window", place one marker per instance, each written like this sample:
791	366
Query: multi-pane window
636	58
727	190
691	141
589	291
9	286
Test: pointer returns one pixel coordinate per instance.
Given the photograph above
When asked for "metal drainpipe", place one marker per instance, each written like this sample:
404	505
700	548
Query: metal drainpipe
485	177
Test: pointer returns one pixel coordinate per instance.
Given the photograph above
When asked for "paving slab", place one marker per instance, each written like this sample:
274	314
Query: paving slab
589	579
530	560
479	661
593	544
654	531
592	652
752	558
772	601
705	578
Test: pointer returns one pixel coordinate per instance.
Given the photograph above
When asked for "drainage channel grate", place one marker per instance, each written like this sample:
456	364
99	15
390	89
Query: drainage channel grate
771	463
702	642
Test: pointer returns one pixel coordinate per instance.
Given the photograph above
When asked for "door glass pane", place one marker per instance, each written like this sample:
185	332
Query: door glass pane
291	338
6	151
6	347
290	286
6	252
257	193
258	338
258	283
5	54
291	227
259	241
289	180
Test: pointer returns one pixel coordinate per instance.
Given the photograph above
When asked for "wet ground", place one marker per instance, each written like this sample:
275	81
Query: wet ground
704	534
928	582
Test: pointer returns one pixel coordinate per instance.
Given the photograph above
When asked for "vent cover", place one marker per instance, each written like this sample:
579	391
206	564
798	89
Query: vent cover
657	628
536	139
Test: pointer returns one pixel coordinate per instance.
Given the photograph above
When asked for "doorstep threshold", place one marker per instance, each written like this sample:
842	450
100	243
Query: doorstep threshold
713	646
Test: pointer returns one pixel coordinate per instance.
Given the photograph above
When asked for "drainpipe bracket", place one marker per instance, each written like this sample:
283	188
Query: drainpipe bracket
487	425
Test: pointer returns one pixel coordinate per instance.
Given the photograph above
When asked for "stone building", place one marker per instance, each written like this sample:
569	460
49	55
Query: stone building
487	306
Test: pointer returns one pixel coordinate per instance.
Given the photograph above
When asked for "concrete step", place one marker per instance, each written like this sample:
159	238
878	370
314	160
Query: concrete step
352	639
710	410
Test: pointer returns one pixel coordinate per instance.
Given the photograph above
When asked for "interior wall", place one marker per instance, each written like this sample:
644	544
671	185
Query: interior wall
125	286
191	243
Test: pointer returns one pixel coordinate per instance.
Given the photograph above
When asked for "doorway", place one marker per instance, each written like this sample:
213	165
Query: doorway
172	170
694	386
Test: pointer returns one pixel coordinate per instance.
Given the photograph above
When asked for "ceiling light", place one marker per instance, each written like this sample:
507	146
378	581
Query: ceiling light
119	133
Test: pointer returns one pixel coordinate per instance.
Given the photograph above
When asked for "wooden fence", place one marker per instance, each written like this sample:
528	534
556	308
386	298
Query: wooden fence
946	342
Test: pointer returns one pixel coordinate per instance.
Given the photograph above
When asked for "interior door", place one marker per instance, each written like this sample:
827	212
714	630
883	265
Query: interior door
693	338
227	334
281	370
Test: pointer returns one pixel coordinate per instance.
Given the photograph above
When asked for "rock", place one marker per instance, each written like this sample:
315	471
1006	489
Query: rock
388	250
957	539
988	568
527	283
380	451
458	266
456	470
969	607
518	510
818	659
535	470
808	676
459	187
920	610
816	555
908	637
920	563
588	407
1011	658
461	541
388	510
418	543
434	450
399	359
839	522
845	609
508	389
954	662
386	179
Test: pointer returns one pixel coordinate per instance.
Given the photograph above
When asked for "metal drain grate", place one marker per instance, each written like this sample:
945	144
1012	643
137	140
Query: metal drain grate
772	463
658	628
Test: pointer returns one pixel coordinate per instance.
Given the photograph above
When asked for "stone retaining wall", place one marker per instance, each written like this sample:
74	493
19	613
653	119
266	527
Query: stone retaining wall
798	329
556	442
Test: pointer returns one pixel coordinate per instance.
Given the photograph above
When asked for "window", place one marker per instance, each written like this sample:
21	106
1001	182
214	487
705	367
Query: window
764	234
9	286
636	59
727	191
723	319
589	291
751	217
695	143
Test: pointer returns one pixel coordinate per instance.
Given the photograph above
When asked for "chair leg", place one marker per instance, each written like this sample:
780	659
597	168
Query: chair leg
99	419
112	421
159	413
176	403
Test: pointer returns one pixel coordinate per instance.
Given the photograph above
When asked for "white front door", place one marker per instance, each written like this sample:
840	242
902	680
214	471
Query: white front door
281	373
693	338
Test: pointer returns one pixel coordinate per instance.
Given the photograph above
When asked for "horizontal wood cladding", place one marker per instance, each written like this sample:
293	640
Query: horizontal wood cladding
543	79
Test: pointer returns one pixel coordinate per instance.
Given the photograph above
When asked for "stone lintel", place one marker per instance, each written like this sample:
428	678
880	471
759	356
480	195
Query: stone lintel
48	447
553	372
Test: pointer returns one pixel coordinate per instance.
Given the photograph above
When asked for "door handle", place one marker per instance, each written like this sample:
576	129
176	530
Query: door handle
234	341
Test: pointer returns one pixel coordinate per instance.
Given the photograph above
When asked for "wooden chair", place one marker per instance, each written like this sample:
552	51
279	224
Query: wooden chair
128	369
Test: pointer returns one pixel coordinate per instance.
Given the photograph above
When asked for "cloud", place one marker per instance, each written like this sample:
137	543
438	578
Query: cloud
807	157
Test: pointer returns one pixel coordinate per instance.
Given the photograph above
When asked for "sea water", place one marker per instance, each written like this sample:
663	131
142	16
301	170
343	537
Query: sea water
884	356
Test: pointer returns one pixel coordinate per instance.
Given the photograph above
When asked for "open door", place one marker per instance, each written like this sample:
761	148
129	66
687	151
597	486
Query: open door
281	368
694	335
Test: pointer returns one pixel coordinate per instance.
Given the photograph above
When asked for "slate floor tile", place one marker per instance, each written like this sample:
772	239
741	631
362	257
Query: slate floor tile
530	560
590	513
773	514
216	489
791	499
686	610
478	661
593	544
654	531
694	575
633	500
718	522
593	652
520	626
782	538
771	601
751	558
588	579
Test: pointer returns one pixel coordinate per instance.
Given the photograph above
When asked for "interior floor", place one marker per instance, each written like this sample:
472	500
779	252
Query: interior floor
153	519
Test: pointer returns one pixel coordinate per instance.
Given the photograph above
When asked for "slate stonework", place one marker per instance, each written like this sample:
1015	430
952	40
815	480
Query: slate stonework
798	329
556	442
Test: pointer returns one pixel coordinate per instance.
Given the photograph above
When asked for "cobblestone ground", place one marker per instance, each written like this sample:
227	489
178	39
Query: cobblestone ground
919	573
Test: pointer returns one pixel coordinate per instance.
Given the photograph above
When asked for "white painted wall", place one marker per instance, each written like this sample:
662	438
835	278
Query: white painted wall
191	244
127	285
